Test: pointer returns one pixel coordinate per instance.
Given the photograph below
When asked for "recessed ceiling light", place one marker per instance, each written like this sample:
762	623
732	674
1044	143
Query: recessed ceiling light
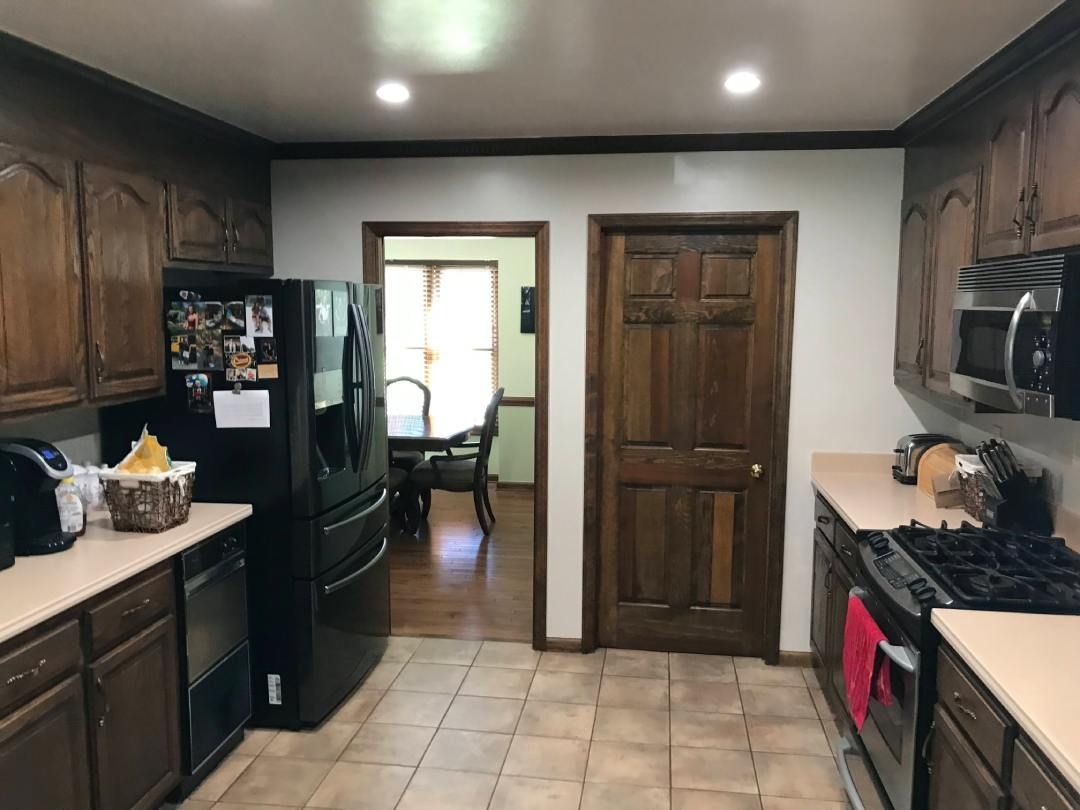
393	92
742	82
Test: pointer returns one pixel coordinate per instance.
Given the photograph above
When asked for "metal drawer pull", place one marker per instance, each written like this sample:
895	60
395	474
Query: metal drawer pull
29	673
823	519
101	688
964	710
845	550
145	603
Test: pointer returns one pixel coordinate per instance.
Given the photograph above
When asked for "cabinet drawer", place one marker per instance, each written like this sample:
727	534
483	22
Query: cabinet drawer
28	670
1032	786
129	611
845	545
824	518
974	711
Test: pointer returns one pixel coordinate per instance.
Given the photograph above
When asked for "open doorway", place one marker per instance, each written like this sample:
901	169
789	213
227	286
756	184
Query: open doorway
465	305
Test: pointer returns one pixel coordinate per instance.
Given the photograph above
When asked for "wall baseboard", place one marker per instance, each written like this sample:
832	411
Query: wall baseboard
563	645
795	659
521	485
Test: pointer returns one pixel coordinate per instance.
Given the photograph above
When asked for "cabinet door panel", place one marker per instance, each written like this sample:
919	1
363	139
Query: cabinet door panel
1005	181
838	604
125	234
42	362
43	760
197	227
136	736
1055	206
911	288
958	779
953	241
250	235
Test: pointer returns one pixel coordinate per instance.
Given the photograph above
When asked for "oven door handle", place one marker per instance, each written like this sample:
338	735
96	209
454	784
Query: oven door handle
896	653
844	746
1025	302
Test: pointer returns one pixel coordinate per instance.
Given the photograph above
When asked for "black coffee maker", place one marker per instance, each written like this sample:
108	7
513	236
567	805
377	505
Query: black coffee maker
29	473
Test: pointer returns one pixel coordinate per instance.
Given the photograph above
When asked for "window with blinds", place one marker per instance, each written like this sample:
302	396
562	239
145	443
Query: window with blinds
442	329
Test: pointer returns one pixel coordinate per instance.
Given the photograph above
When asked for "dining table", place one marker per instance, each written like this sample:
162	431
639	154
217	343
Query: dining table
429	434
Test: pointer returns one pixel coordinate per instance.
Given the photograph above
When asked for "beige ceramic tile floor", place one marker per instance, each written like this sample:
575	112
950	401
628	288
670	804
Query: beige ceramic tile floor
465	725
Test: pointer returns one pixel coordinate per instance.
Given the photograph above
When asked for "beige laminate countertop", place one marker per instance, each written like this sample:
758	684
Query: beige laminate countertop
37	588
860	487
1029	662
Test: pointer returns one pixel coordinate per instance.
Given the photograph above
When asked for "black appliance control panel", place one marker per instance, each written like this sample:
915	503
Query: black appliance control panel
1042	363
214	550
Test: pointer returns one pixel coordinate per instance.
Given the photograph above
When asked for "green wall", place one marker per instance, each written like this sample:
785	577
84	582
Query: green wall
512	453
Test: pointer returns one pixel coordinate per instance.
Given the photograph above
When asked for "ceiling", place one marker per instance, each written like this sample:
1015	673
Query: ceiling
306	70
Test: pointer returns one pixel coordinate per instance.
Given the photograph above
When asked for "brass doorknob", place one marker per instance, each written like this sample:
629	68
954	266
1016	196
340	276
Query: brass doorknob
756	470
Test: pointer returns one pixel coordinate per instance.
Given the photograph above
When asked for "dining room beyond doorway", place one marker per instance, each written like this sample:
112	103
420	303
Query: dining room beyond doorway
460	328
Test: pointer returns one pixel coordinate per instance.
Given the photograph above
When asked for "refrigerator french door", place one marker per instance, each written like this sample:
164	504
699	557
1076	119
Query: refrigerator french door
316	478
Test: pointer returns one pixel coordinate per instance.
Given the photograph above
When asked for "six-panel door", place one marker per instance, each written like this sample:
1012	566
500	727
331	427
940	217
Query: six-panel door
688	370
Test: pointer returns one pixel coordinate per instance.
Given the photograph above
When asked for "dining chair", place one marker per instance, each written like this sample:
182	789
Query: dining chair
407	459
467	473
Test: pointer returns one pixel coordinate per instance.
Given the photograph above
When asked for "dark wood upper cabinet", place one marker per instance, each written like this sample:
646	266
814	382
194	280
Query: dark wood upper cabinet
124	227
911	289
42	344
1054	209
959	778
198	230
43	759
1006	178
134	717
953	225
250	236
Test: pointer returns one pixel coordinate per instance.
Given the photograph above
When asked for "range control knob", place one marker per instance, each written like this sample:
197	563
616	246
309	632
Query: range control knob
1039	358
926	595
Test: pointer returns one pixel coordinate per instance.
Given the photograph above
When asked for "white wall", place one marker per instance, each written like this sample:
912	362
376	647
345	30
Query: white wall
842	394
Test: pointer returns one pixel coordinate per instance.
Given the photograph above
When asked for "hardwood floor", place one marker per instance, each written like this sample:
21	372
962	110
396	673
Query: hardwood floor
453	582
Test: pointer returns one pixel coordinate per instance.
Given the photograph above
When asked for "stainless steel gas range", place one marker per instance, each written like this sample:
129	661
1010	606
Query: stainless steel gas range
903	575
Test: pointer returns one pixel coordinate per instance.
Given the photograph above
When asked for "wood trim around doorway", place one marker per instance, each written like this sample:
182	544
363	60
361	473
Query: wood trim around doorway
784	223
372	236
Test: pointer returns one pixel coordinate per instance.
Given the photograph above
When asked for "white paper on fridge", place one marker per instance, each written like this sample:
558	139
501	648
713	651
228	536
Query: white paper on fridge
243	409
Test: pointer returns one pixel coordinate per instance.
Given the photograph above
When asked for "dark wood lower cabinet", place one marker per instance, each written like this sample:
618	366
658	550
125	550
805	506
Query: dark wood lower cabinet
959	780
135	729
828	612
838	603
43	759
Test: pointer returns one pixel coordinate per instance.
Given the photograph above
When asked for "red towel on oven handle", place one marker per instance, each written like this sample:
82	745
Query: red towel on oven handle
861	639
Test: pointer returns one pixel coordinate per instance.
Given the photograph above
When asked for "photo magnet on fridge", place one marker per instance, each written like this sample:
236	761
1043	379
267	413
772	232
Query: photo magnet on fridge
210	355
181	318
324	322
268	371
241	375
234	316
199	393
266	350
259	312
184	352
211	315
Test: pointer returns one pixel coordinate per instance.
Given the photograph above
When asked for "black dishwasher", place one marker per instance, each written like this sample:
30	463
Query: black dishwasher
216	668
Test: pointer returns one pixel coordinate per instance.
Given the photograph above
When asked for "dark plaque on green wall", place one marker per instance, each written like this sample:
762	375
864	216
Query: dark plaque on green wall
528	310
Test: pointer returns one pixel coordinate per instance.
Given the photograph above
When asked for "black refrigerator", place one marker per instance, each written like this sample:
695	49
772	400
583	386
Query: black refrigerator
319	592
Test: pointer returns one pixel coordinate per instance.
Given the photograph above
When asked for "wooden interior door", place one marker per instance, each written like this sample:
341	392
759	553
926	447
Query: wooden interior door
125	245
953	218
691	326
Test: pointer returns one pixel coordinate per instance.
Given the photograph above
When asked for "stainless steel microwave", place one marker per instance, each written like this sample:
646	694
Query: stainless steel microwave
1015	334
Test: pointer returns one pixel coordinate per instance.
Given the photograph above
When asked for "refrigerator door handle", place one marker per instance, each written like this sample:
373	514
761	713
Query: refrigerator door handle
367	415
348	367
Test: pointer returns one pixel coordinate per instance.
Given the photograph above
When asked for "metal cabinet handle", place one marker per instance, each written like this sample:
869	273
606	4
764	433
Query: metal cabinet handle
824	520
960	707
828	579
26	673
920	355
926	747
1032	215
101	689
756	471
131	611
236	238
225	232
100	360
847	551
1017	214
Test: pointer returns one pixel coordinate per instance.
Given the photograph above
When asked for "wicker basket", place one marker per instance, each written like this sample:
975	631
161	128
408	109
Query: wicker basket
150	503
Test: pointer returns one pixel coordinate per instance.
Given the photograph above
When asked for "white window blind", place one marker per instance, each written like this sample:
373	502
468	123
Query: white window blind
442	329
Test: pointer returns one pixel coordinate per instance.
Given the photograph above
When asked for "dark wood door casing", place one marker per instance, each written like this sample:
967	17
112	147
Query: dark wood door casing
135	720
124	232
42	342
684	297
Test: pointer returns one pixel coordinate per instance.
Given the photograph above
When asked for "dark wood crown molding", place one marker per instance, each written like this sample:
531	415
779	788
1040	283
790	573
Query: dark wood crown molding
588	145
1053	31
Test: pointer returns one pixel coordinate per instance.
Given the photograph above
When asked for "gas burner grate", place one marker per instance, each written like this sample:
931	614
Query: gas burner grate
995	569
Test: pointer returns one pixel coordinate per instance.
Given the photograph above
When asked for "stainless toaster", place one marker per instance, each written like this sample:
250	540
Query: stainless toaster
909	449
